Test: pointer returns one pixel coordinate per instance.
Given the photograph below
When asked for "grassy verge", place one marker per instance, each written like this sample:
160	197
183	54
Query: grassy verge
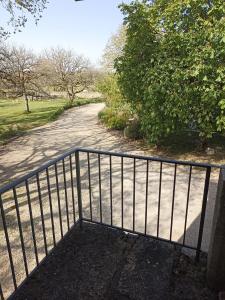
14	121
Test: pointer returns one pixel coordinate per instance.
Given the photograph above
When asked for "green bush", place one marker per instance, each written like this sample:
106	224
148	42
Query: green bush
101	114
114	119
172	67
117	111
108	86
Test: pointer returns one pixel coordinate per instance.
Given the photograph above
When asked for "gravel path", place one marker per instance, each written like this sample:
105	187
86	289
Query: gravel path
77	127
80	127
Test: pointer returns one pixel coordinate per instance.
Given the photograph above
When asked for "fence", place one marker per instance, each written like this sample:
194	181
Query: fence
156	197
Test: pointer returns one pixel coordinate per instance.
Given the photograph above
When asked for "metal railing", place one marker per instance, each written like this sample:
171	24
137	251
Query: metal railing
112	189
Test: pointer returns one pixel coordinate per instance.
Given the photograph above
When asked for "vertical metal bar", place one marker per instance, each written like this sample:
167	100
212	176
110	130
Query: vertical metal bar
100	186
42	214
8	243
134	191
66	196
110	178
89	183
72	189
50	206
58	198
202	219
187	204
173	199
146	196
122	191
32	222
20	231
77	156
159	200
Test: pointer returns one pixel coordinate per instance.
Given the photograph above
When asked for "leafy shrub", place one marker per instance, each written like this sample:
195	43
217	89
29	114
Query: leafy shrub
117	111
108	86
172	68
113	119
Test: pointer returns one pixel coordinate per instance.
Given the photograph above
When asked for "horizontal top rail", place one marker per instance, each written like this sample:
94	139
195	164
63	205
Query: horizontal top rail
24	178
158	159
21	179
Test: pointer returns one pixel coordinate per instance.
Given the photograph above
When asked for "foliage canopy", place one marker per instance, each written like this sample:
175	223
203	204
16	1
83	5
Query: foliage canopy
172	68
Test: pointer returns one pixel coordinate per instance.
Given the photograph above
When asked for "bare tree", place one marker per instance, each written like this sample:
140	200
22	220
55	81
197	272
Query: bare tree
70	72
18	72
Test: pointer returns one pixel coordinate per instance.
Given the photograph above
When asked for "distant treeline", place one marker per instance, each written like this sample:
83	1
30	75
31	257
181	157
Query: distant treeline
25	74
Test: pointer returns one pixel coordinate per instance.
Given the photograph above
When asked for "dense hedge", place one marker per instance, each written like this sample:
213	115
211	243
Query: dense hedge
172	70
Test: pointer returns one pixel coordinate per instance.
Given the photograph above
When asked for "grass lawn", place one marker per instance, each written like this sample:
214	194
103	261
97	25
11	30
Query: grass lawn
14	120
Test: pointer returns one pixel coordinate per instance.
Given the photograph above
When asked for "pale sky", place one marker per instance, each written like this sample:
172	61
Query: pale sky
83	26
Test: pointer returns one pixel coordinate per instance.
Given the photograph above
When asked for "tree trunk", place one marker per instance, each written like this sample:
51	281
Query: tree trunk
203	143
70	95
27	103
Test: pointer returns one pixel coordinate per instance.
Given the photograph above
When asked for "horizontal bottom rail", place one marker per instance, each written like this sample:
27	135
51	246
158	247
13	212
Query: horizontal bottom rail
140	233
79	222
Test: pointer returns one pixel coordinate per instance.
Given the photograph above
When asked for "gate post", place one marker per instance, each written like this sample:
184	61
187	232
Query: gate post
79	187
216	255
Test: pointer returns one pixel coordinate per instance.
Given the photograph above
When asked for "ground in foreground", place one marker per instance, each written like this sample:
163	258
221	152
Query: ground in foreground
100	263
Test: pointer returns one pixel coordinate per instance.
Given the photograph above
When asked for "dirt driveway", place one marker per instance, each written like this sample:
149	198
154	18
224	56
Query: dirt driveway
79	127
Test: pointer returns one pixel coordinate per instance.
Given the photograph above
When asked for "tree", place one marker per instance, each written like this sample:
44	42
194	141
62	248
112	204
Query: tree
114	49
172	69
70	72
17	10
18	72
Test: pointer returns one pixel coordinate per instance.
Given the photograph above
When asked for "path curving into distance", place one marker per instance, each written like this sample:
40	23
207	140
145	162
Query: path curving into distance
77	127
